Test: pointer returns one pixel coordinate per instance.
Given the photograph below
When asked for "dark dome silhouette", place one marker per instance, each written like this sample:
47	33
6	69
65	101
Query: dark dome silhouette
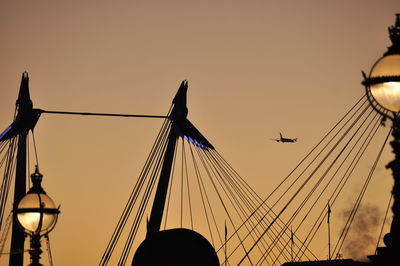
177	247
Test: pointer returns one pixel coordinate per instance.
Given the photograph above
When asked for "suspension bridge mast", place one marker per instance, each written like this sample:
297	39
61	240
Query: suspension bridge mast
24	121
23	105
177	246
178	113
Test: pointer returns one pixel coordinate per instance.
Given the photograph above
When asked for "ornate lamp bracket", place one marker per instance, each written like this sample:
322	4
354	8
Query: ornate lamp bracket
373	103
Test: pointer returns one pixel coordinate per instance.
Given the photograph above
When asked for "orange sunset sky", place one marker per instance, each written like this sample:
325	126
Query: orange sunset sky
255	68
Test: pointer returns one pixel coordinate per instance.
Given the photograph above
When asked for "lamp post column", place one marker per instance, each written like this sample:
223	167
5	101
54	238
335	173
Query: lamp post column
392	239
35	250
383	92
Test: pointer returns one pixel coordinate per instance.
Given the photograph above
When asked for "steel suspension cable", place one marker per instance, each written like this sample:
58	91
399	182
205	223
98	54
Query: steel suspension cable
324	159
332	177
359	199
139	214
323	138
297	211
144	201
155	150
201	189
294	196
229	218
187	186
237	233
170	188
250	191
134	195
340	186
330	167
182	178
50	256
5	232
243	202
34	148
10	163
384	221
228	192
323	176
313	149
101	114
334	196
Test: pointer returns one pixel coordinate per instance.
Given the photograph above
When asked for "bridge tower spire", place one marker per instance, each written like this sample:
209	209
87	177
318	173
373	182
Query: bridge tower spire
24	108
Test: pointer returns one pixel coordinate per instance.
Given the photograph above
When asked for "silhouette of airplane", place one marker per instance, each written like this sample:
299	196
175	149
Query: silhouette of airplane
283	140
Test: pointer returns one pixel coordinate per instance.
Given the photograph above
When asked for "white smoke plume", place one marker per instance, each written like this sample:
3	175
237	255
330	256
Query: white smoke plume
364	232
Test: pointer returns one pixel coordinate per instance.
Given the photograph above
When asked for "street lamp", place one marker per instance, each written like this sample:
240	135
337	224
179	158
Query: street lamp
37	215
383	92
384	82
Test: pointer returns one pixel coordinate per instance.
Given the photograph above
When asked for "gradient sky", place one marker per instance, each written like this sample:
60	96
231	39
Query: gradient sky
255	68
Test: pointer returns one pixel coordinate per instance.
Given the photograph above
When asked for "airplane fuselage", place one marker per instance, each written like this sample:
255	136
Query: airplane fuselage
283	140
287	140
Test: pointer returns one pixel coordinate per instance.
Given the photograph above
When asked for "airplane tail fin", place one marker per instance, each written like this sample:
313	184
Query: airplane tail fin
280	134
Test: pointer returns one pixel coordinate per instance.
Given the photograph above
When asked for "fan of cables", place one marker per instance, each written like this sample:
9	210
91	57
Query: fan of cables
207	195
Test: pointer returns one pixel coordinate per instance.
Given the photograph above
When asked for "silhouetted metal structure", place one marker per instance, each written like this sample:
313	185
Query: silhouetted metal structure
389	108
348	262
387	255
175	246
180	126
25	120
260	232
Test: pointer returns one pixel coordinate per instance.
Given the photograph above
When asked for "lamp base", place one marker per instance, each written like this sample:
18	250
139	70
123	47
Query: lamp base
35	250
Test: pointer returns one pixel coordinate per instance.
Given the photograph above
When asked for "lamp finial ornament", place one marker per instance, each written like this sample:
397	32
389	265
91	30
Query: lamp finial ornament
394	34
36	178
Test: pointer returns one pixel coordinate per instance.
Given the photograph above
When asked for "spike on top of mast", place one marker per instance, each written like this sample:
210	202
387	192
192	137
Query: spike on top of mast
180	110
24	102
27	116
183	127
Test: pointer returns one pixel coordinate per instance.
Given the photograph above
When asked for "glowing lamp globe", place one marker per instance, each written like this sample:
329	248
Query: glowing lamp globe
384	82
36	211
